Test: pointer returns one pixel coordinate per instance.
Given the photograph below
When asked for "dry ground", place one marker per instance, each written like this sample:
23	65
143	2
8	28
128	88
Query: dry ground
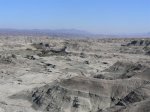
81	75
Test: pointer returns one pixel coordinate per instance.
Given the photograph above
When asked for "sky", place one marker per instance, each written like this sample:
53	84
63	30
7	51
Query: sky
97	16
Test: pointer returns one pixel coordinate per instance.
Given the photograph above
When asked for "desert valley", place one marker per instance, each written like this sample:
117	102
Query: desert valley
74	75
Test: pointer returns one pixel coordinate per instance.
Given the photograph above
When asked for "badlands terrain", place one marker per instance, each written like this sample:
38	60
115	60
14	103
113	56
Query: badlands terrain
74	75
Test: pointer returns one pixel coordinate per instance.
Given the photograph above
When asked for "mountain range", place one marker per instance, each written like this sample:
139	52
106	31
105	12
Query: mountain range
66	33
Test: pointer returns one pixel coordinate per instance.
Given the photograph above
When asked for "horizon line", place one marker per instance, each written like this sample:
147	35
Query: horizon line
75	29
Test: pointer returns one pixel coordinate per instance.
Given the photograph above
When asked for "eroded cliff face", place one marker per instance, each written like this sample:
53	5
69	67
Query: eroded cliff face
82	94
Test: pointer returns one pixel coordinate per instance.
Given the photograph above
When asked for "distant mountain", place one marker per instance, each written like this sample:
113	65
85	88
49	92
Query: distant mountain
148	33
66	33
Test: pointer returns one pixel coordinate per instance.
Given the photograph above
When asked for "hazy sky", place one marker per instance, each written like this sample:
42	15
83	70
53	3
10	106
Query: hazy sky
100	16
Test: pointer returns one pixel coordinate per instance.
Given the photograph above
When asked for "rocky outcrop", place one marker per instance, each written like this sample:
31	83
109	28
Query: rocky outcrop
121	70
80	94
139	42
47	50
7	59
